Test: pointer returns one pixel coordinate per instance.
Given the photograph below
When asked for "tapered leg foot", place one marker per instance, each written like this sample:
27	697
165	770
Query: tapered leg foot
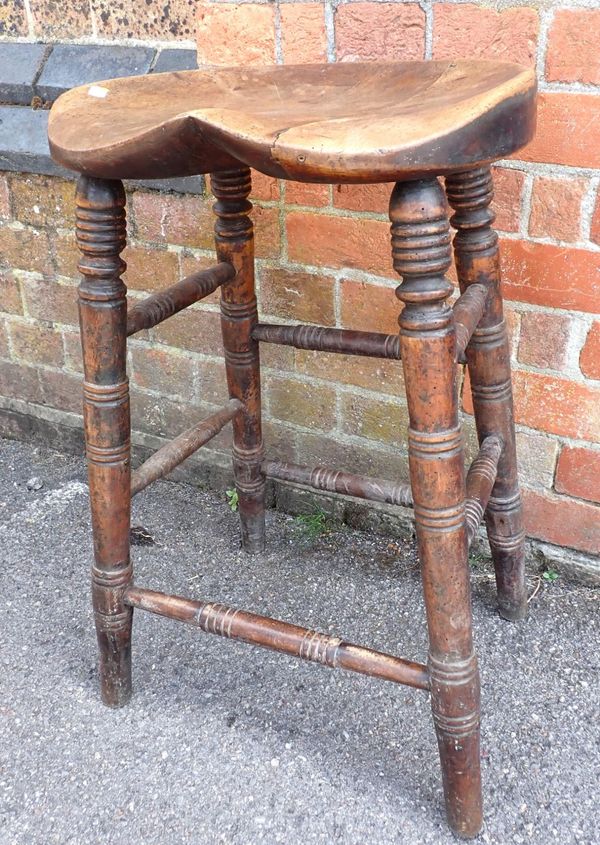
488	358
101	236
422	255
235	243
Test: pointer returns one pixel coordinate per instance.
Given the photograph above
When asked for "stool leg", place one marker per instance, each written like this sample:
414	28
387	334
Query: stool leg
422	254
488	357
101	236
234	240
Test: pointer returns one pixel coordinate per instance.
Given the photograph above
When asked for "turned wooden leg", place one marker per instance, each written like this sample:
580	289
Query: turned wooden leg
488	357
234	239
422	254
101	236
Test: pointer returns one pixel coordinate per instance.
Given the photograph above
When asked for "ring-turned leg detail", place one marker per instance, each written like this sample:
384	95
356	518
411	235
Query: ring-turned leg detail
101	237
235	244
488	358
422	254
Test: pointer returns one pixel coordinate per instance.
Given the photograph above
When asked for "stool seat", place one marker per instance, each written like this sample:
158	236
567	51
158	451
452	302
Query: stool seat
347	122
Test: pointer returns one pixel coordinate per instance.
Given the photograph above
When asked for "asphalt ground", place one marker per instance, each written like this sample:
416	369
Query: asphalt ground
225	743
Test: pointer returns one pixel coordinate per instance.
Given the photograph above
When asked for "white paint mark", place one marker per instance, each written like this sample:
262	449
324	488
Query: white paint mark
97	91
53	503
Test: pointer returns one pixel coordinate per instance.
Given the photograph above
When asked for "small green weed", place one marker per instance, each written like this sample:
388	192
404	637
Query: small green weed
313	524
232	499
550	576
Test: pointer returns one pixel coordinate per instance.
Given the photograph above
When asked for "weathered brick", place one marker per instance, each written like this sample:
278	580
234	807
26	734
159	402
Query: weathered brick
36	344
72	347
276	357
595	230
363	197
465	30
572	54
314	448
557	405
43	201
49	300
374	418
4	347
20	381
235	34
379	32
150	269
508	193
556	208
62	390
369	308
376	374
163	370
589	360
173	218
25	249
578	473
264	187
568	130
339	242
150	21
4	198
530	273
297	296
65	253
190	263
536	458
544	339
300	403
267	231
563	521
54	21
10	293
303	37
306	193
197	330
13	19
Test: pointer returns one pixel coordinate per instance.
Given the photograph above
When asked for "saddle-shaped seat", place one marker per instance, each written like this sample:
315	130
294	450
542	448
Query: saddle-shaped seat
316	123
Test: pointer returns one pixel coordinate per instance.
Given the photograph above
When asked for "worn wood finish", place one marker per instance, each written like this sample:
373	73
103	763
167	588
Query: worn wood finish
235	624
165	460
488	356
335	481
346	122
234	240
101	237
164	304
421	255
468	311
480	482
323	339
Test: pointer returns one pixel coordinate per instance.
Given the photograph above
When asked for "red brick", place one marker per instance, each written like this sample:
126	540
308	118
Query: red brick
379	32
369	308
306	193
468	31
62	390
556	276
568	130
151	20
25	249
374	418
556	208
374	374
297	296
190	263
10	294
300	403
303	37
47	300
264	187
4	198
578	473
173	218
508	194
235	34
562	521
339	242
36	344
150	269
267	231
589	360
197	330
595	233
573	40
163	370
363	197
4	347
557	406
543	340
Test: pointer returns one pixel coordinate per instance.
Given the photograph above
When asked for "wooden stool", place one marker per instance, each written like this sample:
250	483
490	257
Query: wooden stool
406	123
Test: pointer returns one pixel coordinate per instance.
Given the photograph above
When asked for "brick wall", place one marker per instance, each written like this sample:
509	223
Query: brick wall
323	253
